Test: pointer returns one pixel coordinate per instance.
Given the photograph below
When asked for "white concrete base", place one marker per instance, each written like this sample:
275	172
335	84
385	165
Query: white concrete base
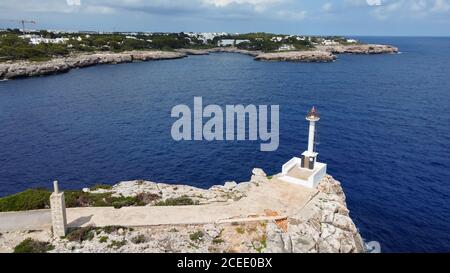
292	172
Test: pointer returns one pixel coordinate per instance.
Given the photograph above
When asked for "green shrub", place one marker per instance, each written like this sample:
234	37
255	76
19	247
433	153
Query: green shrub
147	198
196	236
82	234
261	245
33	246
118	202
139	239
112	229
27	200
85	199
103	239
240	230
217	241
77	198
100	186
40	199
179	201
117	244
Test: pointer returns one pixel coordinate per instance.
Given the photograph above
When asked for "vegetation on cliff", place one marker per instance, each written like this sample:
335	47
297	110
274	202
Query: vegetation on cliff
33	246
43	45
27	200
12	47
32	199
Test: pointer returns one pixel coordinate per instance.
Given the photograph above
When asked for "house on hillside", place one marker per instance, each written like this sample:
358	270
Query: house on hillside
230	42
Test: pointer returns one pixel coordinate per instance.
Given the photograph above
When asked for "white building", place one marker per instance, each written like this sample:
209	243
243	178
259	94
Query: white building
329	43
277	39
231	42
36	39
205	36
352	41
286	47
306	171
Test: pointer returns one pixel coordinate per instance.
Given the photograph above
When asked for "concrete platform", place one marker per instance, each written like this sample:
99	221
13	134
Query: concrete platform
292	172
275	195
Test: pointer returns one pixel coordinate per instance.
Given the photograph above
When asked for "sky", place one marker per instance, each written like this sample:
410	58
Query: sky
313	17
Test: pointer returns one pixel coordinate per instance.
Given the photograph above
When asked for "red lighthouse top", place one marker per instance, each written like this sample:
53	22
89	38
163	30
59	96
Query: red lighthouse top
313	114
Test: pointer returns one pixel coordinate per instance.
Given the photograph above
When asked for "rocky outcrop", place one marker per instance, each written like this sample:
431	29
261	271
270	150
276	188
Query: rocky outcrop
231	49
193	51
252	53
359	49
229	192
326	53
321	225
297	56
11	70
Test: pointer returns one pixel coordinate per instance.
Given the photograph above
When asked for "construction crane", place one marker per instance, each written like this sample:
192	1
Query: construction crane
22	22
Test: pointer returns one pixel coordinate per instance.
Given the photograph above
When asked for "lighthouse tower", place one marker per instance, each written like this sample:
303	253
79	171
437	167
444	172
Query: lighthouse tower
306	171
309	157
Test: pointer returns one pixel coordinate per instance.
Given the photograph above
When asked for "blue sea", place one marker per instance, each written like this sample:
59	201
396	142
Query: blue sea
384	132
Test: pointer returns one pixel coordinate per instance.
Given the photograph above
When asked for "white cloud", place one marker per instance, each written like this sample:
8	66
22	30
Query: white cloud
257	5
374	2
246	9
223	3
440	6
327	7
99	10
292	15
411	8
73	2
360	3
419	5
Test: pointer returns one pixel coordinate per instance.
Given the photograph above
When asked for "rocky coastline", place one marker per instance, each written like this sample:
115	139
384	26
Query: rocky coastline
298	56
366	49
12	70
320	225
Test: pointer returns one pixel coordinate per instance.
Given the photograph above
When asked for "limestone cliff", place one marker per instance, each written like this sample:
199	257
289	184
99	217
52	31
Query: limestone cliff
298	56
323	225
11	70
264	214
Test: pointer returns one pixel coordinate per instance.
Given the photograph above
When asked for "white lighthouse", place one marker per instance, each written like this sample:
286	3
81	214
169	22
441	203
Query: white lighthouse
306	171
309	156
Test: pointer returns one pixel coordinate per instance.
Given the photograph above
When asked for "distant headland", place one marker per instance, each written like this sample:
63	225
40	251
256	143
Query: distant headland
43	52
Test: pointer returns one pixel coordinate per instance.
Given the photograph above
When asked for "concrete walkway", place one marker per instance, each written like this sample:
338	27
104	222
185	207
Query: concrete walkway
276	195
25	220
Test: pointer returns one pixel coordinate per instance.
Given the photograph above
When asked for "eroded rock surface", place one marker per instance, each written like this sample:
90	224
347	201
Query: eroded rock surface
323	225
11	70
298	56
360	49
